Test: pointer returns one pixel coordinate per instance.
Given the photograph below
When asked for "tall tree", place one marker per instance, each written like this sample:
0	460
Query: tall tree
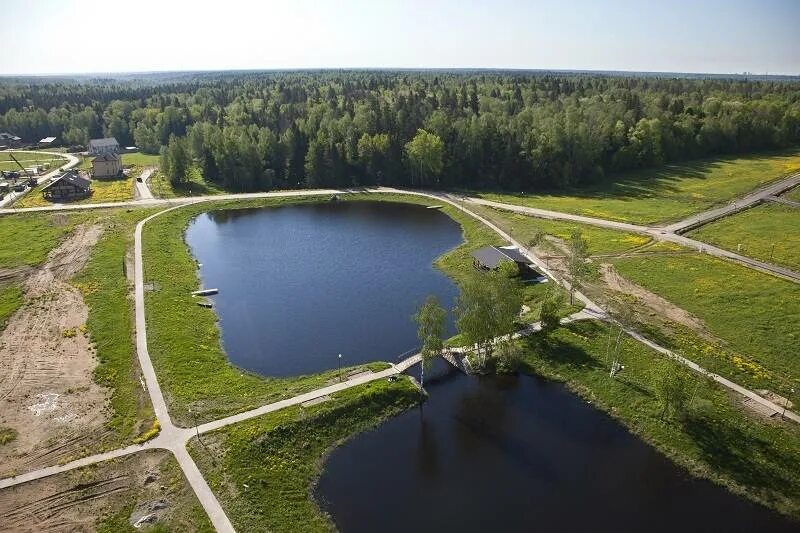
430	319
425	153
578	253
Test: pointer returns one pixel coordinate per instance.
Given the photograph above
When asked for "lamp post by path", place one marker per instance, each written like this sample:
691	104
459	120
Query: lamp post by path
340	366
786	404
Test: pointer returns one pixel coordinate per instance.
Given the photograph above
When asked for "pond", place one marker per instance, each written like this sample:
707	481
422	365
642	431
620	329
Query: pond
300	284
519	454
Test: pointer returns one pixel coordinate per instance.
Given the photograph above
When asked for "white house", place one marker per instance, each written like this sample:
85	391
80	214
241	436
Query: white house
107	166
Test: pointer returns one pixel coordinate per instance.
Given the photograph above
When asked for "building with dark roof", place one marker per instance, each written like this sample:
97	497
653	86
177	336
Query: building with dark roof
69	186
109	145
490	257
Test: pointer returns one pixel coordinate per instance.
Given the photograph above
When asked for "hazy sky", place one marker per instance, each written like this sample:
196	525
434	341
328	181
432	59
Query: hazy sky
727	36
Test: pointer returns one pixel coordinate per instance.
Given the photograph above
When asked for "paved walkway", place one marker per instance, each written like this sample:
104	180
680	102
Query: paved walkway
658	233
740	204
142	191
782	200
175	438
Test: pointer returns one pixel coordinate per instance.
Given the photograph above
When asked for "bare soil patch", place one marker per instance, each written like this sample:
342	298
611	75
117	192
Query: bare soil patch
145	487
656	303
47	391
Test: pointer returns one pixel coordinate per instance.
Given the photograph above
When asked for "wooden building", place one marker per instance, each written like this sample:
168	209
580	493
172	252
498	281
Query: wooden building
69	186
107	166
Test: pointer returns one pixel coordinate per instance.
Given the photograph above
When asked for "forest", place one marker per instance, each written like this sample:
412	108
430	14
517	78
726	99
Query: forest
516	130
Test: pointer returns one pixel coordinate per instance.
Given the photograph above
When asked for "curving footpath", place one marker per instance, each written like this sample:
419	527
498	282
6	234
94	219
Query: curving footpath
175	439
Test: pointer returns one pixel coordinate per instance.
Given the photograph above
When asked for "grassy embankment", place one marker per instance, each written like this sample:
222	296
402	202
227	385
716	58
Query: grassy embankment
793	194
666	193
184	340
262	470
716	439
769	232
105	290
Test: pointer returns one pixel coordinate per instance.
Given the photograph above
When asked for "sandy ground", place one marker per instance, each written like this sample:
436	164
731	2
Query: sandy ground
47	393
652	301
150	483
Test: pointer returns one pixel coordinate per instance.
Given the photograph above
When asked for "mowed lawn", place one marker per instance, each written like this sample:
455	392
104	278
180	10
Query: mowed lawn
756	315
769	232
665	194
794	194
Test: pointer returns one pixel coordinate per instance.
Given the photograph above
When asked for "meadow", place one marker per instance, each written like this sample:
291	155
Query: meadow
666	193
769	232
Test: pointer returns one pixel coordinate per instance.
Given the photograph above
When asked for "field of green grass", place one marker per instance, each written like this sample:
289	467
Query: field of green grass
278	457
716	439
161	187
523	228
757	316
10	300
793	194
664	194
769	232
25	240
139	159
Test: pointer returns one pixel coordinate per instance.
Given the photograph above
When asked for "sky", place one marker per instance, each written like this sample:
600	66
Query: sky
90	36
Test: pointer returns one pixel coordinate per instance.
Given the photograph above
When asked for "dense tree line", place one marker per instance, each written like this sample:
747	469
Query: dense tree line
512	130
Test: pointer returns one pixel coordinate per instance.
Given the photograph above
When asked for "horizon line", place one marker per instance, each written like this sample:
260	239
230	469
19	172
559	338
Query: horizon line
393	69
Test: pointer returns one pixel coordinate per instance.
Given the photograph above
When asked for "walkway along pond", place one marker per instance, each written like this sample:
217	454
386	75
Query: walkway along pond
506	454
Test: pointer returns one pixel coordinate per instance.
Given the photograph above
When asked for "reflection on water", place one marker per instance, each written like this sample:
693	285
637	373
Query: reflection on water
301	284
518	454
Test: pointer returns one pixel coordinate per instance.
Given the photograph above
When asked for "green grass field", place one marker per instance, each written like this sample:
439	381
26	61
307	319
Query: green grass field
793	194
161	187
10	300
523	227
665	194
277	457
757	316
715	438
25	240
769	232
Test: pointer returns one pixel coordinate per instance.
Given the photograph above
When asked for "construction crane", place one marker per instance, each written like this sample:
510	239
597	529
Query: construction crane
32	182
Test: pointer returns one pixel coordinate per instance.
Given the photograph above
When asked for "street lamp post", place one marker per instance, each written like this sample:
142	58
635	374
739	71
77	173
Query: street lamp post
340	366
786	404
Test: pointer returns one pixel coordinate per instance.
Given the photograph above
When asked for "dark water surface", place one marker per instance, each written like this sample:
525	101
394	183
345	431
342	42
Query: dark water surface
519	454
301	284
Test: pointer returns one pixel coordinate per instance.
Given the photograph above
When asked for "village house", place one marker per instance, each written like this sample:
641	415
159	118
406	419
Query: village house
109	145
69	186
107	166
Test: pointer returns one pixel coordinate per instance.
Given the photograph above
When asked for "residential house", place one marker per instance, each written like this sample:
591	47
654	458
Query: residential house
109	145
69	186
107	166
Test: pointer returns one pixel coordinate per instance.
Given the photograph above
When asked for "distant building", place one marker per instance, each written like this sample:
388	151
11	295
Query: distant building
109	145
107	166
9	140
47	141
490	257
69	186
